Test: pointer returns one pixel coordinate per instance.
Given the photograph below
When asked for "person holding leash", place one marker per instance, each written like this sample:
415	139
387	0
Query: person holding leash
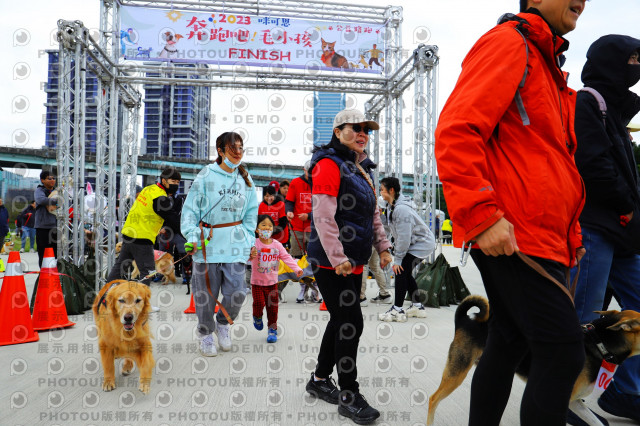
346	223
504	147
222	206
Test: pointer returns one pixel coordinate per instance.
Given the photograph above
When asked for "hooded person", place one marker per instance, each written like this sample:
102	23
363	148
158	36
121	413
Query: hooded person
152	207
606	163
222	207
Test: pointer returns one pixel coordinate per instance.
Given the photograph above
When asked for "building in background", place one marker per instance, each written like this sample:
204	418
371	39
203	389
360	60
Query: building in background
176	118
325	108
91	106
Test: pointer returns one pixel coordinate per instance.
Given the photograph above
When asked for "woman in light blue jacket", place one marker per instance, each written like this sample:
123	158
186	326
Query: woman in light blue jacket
220	211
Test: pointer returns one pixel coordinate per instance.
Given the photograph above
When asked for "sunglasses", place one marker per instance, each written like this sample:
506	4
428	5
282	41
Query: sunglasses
360	128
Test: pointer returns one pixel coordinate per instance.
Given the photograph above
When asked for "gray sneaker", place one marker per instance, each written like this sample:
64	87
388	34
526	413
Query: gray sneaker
208	345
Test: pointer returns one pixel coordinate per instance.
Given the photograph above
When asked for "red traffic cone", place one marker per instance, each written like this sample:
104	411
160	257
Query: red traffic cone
192	307
323	307
49	310
15	317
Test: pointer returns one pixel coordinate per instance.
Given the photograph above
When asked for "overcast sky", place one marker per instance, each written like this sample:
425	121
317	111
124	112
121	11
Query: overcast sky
453	25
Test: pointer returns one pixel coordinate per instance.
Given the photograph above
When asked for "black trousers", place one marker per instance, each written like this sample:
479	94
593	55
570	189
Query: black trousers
405	281
340	341
46	238
529	314
141	253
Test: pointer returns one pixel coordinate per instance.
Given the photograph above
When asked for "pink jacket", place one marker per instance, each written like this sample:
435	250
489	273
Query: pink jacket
264	267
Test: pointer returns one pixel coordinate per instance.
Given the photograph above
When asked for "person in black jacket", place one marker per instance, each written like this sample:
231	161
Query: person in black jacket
605	160
170	238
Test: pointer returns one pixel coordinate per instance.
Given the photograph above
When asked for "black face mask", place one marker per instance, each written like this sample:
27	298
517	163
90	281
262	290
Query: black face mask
632	75
173	188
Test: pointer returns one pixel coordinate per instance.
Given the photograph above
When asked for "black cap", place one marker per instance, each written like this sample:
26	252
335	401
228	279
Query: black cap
170	173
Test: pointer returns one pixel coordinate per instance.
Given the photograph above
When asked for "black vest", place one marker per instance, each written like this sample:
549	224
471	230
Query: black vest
356	203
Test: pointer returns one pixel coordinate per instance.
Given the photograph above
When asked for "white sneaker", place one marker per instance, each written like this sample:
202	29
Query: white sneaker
417	312
154	309
208	345
223	337
393	315
32	251
21	250
364	302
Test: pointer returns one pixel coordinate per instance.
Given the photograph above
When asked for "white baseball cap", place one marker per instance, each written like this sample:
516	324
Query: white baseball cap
353	116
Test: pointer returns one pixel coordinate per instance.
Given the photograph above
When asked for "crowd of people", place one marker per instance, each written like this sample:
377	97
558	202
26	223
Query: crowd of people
568	197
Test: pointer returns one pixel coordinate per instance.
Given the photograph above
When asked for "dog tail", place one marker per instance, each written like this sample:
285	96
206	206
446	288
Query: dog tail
473	301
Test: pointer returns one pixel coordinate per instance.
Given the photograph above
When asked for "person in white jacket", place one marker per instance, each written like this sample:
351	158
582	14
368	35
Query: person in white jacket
413	242
222	199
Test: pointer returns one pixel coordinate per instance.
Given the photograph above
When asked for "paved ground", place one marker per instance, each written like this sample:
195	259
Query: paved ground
57	380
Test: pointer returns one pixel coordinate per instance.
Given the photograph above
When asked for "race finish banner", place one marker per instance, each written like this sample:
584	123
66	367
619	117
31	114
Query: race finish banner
219	38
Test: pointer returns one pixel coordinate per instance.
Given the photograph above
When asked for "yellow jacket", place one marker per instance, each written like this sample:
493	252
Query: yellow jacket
143	221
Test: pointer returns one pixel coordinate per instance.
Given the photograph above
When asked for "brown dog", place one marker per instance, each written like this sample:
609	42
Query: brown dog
7	247
331	58
121	311
619	332
164	265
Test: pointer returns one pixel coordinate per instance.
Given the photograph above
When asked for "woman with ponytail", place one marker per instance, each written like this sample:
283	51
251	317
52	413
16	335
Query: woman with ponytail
222	208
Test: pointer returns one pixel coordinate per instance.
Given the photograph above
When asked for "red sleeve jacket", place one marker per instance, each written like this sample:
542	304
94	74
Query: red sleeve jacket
491	164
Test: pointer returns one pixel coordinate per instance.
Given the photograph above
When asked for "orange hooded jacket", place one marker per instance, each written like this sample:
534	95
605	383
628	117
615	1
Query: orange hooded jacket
491	164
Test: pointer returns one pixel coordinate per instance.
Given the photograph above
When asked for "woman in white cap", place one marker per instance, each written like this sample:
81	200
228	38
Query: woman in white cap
345	224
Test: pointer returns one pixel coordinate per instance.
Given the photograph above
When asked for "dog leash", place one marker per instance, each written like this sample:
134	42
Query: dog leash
571	291
206	265
303	248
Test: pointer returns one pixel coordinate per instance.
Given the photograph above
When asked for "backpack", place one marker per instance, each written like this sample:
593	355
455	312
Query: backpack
523	33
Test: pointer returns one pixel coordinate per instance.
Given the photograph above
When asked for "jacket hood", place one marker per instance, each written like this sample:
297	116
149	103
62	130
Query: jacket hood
404	200
607	69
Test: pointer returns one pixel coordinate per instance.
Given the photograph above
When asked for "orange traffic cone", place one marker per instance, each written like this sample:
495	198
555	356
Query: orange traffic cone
192	307
15	317
49	310
323	307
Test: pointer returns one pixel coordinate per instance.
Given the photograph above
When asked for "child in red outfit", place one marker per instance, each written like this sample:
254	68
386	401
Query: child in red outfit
266	256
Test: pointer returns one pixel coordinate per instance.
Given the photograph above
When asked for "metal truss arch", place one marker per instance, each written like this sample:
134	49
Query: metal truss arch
119	100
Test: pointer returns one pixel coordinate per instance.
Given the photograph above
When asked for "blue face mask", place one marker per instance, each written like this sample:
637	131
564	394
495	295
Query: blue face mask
230	164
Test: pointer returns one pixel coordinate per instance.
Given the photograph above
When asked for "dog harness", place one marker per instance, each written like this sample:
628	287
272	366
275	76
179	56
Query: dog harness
591	334
103	298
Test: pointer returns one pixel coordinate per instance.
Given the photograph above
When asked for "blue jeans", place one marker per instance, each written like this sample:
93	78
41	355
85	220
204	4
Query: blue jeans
604	263
31	234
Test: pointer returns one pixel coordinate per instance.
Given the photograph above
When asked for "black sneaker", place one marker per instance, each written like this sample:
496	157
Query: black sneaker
299	300
324	389
382	299
357	409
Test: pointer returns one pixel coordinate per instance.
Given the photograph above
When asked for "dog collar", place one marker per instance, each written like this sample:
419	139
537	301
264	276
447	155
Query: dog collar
591	333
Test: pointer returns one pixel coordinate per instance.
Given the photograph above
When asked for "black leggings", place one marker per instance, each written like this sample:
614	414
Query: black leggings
340	341
528	314
46	238
405	281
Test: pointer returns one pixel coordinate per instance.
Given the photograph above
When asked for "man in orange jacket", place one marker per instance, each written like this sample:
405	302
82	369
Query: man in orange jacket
505	146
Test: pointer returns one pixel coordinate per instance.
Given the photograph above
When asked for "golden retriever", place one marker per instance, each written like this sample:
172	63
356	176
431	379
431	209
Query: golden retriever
121	311
164	265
